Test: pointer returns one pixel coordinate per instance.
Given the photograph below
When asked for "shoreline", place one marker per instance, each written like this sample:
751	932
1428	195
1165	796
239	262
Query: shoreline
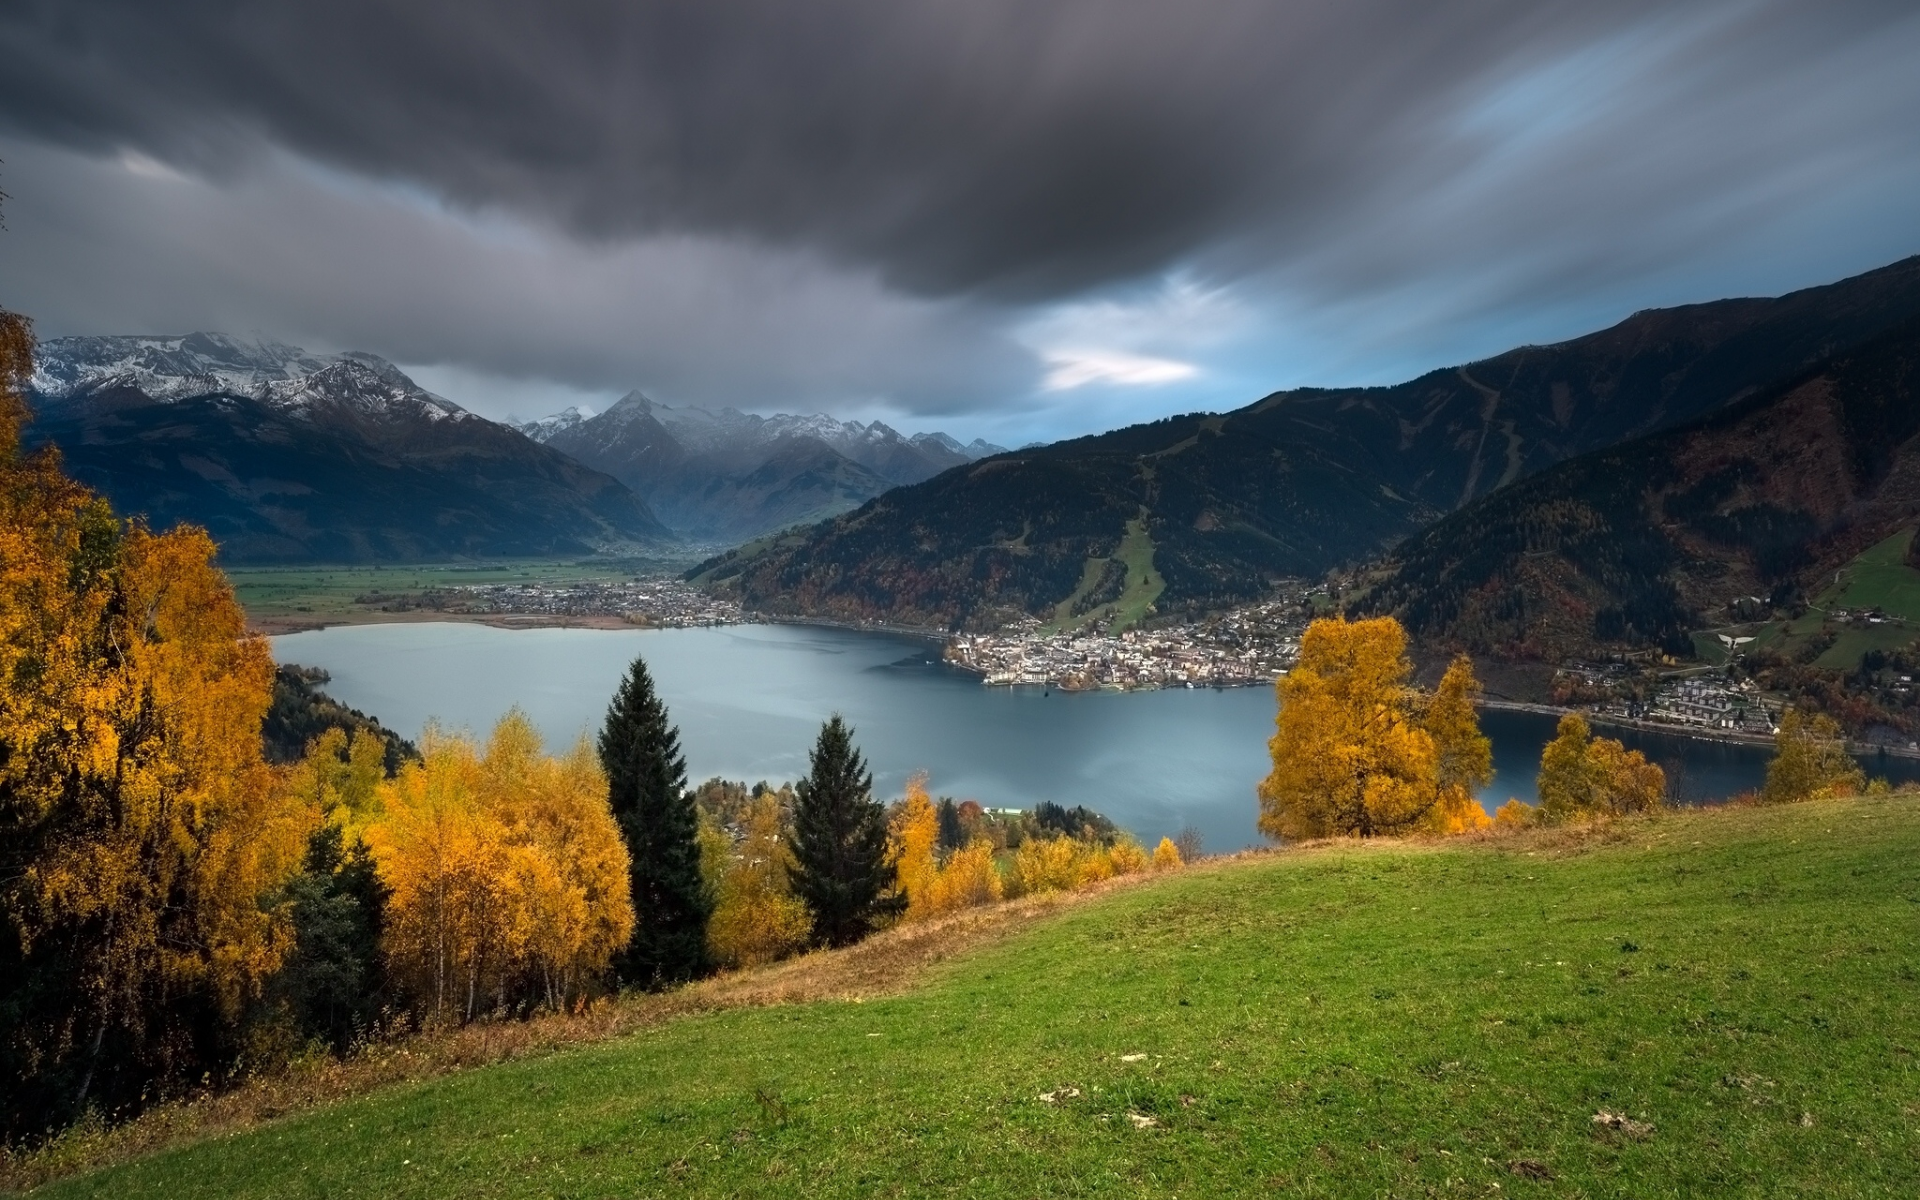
284	623
1691	732
280	624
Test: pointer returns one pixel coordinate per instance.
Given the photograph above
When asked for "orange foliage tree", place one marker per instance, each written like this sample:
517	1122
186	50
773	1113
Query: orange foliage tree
1581	776
969	878
1810	760
756	917
913	834
1166	856
1358	751
139	828
507	874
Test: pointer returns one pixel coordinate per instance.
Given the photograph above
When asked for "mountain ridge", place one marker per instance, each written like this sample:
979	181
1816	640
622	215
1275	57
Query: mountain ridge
1300	481
1637	545
287	456
723	474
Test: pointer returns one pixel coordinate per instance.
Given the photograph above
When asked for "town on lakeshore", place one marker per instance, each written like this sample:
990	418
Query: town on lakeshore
657	602
1243	647
1248	646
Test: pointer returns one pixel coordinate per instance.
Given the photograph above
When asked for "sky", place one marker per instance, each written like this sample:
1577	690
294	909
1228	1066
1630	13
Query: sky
991	217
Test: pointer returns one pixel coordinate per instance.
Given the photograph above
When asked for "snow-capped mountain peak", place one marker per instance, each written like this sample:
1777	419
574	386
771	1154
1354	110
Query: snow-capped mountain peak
704	430
169	369
545	428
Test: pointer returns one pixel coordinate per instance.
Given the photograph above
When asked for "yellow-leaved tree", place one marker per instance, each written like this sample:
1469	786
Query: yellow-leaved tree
756	917
506	871
913	835
1810	761
140	831
1464	755
340	777
1585	776
968	879
1047	864
1358	751
1166	856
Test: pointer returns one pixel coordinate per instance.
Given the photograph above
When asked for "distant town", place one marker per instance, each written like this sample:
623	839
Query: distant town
1244	647
661	602
1249	646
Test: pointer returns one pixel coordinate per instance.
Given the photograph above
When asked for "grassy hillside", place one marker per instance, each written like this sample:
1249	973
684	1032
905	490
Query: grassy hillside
1741	987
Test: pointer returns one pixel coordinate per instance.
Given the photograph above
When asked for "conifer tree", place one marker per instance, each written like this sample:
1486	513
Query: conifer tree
953	835
647	789
840	842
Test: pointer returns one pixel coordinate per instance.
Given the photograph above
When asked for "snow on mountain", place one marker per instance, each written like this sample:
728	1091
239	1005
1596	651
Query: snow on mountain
169	369
545	428
706	430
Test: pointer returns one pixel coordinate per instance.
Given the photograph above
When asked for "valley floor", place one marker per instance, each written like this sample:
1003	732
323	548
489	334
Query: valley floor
1719	1002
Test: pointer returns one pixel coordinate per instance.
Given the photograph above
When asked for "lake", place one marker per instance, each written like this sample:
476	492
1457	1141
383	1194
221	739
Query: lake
749	700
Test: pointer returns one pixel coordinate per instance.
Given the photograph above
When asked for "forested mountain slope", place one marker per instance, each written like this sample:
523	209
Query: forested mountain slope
286	456
1636	545
1296	483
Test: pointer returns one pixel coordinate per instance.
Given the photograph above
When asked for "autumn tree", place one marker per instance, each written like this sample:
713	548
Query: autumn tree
647	787
1463	755
840	842
1357	751
1047	864
1810	761
1166	856
968	879
507	872
1128	856
140	831
1582	776
1516	814
757	919
913	835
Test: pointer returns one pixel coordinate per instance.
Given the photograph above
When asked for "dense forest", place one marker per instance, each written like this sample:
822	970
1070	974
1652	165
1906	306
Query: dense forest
1736	515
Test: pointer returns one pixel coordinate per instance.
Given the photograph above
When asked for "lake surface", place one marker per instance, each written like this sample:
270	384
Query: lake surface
749	700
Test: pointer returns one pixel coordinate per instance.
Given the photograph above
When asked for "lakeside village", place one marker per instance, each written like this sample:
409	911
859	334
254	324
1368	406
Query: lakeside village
1244	647
1248	646
661	602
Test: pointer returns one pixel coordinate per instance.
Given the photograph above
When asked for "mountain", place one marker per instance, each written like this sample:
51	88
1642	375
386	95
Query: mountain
1205	510
1636	545
287	456
728	475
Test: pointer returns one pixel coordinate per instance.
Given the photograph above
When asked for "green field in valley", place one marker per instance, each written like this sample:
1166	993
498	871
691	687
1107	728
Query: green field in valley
1879	578
1876	579
1736	994
337	592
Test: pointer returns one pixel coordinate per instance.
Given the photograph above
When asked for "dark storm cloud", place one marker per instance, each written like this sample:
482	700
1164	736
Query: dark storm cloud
1025	148
871	199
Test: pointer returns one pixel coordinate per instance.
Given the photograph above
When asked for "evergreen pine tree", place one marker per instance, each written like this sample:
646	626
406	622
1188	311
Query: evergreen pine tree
953	835
647	790
840	842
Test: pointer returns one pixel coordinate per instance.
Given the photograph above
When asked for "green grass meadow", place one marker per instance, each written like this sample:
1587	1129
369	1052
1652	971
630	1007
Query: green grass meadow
1383	1020
1880	578
332	591
1877	578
